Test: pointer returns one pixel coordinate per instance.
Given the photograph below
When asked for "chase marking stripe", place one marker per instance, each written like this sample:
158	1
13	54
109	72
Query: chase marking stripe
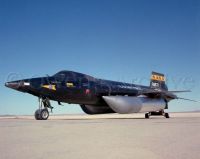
51	87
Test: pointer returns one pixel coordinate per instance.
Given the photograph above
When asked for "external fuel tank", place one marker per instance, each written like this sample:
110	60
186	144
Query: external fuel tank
129	104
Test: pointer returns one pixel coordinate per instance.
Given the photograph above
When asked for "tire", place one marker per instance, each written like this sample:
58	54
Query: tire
37	114
166	115
44	114
147	115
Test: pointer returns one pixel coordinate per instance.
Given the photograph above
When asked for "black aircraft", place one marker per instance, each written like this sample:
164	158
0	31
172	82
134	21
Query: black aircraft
97	96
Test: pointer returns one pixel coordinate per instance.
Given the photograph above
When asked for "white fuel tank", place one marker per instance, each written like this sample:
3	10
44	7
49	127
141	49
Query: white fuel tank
127	104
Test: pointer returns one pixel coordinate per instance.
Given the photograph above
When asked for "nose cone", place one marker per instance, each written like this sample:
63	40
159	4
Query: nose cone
18	85
13	85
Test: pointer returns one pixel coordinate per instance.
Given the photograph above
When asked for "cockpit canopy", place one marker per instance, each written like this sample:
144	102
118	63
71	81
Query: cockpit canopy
71	76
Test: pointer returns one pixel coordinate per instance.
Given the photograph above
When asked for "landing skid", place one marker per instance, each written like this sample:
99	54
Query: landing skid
160	113
42	113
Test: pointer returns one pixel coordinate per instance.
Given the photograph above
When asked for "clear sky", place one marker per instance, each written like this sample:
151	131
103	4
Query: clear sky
120	40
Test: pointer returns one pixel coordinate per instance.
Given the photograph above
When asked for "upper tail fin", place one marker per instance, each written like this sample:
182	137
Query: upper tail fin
158	81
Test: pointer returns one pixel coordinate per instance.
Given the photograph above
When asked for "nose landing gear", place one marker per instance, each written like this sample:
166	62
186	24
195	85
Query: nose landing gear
42	113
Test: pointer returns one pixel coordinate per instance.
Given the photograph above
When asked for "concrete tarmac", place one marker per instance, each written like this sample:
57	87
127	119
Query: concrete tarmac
101	137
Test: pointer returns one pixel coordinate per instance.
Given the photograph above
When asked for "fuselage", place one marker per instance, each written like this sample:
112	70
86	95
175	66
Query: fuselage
74	87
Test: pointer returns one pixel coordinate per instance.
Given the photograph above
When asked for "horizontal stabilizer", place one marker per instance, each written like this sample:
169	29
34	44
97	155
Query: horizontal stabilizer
183	91
165	94
187	99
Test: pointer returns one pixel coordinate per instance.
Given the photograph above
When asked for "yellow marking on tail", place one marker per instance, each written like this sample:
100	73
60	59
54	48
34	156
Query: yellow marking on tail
157	78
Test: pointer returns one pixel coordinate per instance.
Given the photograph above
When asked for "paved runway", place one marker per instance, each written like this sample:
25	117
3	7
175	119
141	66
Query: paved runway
101	137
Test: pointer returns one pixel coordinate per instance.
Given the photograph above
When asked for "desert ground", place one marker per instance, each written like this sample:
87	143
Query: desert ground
110	136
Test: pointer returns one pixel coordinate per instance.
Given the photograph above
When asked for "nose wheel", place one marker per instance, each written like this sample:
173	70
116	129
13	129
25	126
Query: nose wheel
42	113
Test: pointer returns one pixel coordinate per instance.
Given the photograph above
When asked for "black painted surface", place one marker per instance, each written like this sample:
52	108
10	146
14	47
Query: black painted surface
86	90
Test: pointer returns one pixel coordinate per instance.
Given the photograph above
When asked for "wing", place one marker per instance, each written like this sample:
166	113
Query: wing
167	95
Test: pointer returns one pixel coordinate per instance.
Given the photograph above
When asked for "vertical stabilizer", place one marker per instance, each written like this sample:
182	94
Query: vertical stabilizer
158	81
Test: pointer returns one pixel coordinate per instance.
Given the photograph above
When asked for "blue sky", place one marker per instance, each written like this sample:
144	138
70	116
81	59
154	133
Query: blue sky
120	40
